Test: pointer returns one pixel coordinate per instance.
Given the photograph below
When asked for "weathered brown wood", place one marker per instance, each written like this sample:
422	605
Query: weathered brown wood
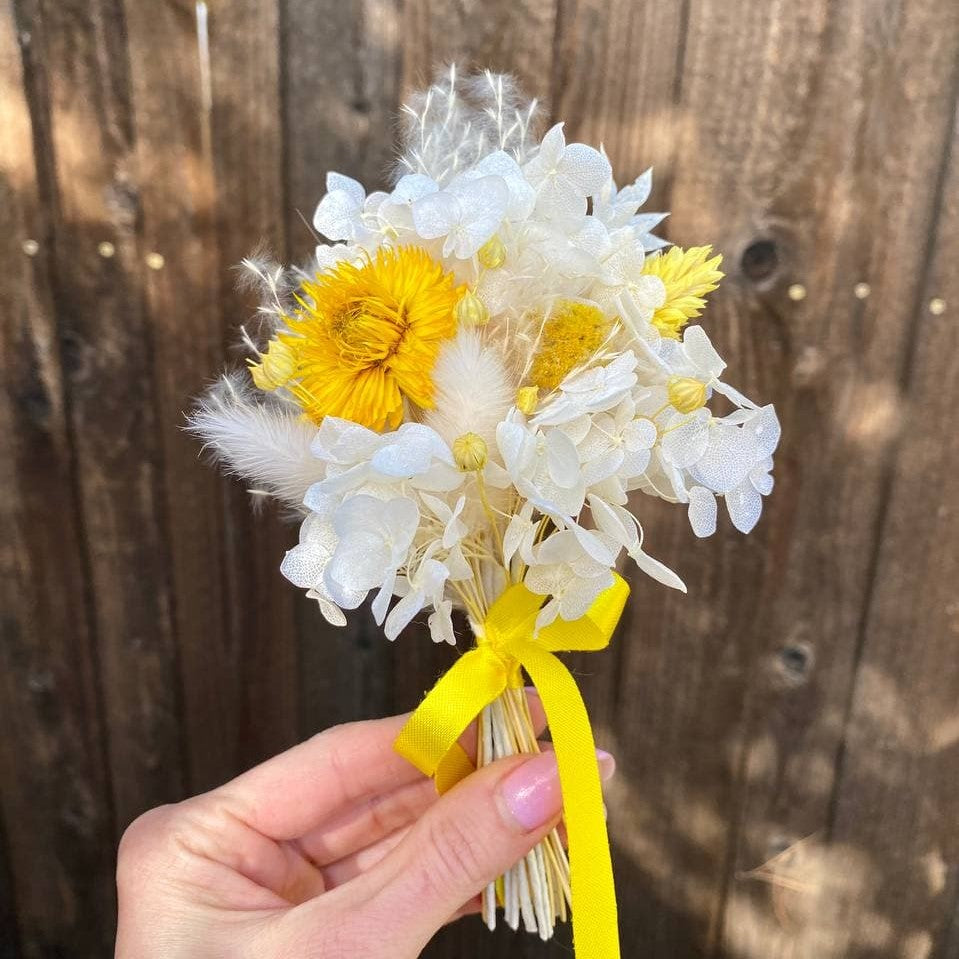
792	155
358	85
896	804
79	89
56	890
801	698
247	143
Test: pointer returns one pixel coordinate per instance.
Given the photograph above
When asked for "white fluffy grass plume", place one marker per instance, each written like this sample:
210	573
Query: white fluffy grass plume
268	445
474	391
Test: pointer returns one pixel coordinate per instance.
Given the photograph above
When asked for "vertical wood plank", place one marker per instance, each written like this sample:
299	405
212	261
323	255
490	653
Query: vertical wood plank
170	101
338	110
249	146
803	123
79	89
896	805
56	890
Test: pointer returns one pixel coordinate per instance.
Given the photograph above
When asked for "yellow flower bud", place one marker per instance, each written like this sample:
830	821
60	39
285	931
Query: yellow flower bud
471	310
686	394
470	452
526	399
275	368
492	253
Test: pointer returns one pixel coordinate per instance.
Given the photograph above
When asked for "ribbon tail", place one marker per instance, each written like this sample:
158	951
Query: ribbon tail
595	923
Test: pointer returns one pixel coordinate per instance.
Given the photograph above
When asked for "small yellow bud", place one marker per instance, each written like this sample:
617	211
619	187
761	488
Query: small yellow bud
275	368
470	452
526	399
471	310
686	394
492	254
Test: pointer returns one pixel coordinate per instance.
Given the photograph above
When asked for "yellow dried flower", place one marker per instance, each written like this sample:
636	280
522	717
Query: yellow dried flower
526	399
688	276
471	310
470	452
364	338
275	368
572	333
686	394
492	254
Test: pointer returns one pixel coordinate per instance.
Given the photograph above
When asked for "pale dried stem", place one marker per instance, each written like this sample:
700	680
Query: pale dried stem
536	890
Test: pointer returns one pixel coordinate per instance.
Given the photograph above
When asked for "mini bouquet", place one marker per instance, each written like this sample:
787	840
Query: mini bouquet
458	396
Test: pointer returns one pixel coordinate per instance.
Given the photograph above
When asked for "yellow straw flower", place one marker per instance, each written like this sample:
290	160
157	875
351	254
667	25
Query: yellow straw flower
364	337
572	333
688	276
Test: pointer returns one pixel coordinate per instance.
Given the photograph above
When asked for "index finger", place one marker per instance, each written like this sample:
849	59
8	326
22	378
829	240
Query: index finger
294	792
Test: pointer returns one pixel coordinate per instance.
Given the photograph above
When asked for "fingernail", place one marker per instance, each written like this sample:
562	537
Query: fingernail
531	792
607	764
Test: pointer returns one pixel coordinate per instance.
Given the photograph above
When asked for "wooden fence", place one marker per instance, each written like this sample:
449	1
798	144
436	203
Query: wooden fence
788	734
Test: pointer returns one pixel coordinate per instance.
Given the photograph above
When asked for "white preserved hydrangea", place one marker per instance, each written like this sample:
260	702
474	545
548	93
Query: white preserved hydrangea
567	277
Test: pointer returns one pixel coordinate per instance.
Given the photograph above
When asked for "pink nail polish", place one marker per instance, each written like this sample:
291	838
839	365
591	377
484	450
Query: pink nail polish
607	764
531	792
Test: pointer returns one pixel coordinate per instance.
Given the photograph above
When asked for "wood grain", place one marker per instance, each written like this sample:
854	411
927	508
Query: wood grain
55	800
786	734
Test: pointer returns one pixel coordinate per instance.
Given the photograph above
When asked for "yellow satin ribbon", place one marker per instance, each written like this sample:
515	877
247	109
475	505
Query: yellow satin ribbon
505	643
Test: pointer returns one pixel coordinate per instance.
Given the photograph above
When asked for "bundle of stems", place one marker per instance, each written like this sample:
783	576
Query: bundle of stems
536	890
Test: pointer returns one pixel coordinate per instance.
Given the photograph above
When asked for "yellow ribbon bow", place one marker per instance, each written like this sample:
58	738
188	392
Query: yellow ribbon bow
506	642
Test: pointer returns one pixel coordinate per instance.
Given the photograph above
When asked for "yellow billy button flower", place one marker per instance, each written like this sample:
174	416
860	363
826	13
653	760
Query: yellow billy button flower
686	394
688	276
492	254
572	333
527	398
365	338
470	452
471	310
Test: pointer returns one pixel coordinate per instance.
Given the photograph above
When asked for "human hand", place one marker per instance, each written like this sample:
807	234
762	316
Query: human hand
335	849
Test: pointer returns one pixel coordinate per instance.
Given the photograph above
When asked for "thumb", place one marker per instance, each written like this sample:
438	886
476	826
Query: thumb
470	836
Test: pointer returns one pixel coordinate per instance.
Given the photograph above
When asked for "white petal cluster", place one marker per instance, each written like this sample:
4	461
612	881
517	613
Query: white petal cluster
391	516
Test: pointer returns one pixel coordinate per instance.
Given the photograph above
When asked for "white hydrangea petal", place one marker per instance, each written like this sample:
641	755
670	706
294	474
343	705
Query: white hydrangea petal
338	214
767	430
657	570
615	522
730	455
401	615
744	505
303	565
328	609
640	434
436	214
482	204
702	511
558	199
562	459
586	168
685	438
761	478
381	602
581	594
340	182
734	396
550	152
701	352
413	187
637	192
440	623
635	462
646	222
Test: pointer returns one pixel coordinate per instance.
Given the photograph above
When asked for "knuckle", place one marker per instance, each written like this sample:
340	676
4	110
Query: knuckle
457	853
142	840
